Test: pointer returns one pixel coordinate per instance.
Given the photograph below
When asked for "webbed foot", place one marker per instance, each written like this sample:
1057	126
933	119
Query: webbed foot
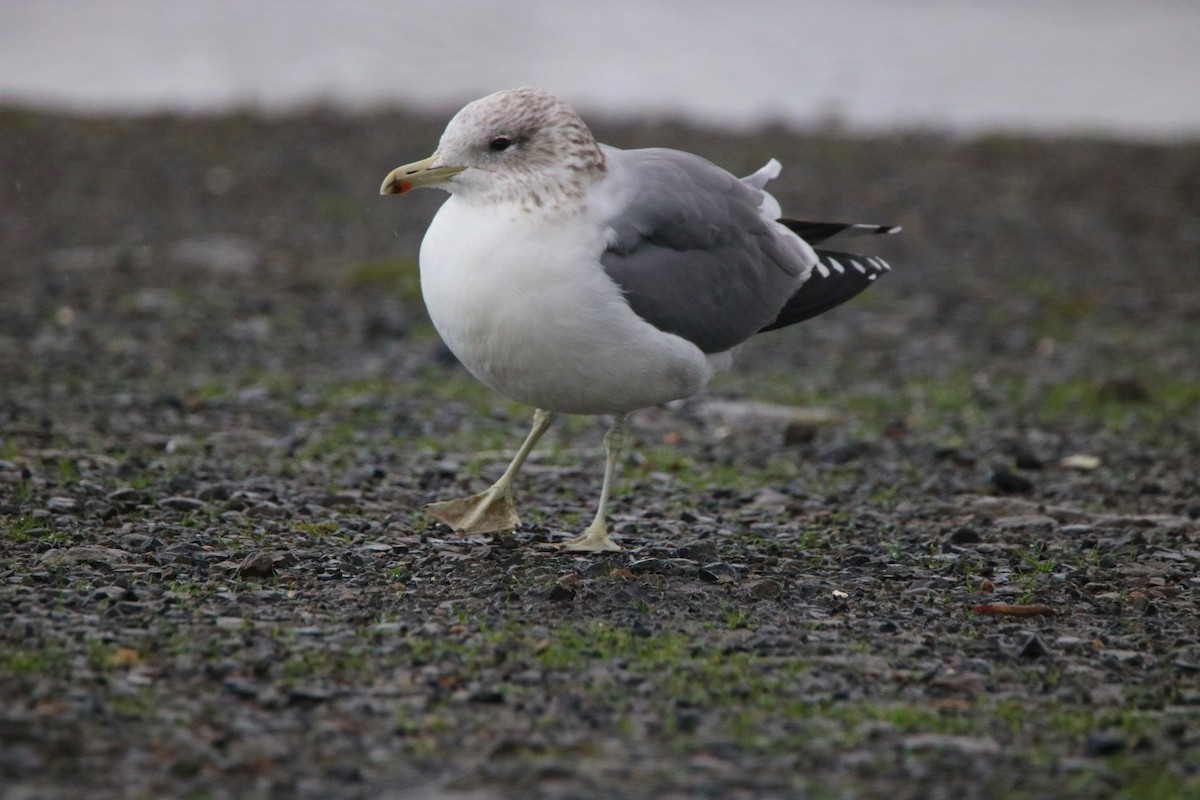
487	512
594	540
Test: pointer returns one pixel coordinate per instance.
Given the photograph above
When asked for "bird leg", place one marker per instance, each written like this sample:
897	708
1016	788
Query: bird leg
492	510
595	538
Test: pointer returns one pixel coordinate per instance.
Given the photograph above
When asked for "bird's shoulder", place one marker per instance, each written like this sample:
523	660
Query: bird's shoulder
670	197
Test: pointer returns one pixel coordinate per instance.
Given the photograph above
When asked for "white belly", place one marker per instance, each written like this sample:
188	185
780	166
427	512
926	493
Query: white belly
529	311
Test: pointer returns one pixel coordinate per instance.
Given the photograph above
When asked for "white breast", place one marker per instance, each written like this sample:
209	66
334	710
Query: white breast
525	305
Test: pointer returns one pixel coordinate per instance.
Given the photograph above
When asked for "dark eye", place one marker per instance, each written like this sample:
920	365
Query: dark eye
499	143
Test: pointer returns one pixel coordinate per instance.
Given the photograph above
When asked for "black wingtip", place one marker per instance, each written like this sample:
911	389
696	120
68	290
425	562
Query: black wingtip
820	232
836	277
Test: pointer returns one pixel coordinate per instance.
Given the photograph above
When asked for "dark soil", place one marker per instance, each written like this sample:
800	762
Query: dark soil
222	408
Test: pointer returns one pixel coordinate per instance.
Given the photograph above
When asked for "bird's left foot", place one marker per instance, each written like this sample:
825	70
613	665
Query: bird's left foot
594	540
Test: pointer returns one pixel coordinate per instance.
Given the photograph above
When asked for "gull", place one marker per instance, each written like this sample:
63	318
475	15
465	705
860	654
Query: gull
579	278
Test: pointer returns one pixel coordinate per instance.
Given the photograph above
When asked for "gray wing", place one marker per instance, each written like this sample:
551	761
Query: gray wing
691	250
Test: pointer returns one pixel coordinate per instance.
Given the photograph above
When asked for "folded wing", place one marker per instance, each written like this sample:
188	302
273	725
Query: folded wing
693	249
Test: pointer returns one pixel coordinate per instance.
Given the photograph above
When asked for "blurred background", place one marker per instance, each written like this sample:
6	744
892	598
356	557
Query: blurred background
1102	66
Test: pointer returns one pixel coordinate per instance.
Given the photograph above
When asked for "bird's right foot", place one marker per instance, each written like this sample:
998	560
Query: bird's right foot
487	512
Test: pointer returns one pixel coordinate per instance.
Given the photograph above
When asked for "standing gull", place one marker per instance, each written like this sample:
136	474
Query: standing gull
583	279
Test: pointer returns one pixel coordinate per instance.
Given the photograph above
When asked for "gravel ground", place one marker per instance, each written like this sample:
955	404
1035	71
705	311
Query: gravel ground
939	543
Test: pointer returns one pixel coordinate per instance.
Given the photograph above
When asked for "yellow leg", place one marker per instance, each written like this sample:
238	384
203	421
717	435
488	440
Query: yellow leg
492	510
595	539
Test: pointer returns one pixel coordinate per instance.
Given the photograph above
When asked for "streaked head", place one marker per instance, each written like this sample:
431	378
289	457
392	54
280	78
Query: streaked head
521	145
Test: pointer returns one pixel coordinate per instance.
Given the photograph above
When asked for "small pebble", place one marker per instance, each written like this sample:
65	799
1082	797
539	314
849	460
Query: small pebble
1008	482
1032	647
1103	744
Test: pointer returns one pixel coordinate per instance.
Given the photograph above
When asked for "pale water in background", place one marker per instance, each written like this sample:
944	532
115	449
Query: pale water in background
1110	66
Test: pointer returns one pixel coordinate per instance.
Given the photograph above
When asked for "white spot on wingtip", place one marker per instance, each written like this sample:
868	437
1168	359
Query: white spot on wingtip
858	266
824	270
872	276
833	262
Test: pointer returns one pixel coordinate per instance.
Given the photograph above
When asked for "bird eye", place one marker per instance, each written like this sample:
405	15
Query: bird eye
499	144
